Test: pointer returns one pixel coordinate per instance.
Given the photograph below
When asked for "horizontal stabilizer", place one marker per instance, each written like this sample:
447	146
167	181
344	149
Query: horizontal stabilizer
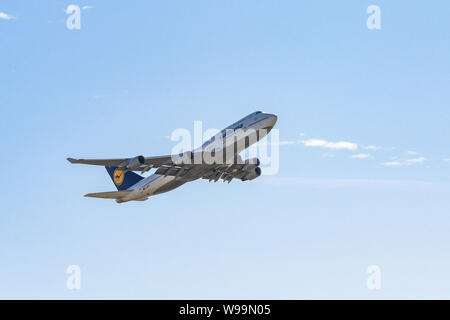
109	195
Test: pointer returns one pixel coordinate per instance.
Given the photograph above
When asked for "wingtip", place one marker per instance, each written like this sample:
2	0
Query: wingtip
71	160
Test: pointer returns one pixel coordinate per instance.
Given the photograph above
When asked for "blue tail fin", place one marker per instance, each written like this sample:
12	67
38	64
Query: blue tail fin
123	180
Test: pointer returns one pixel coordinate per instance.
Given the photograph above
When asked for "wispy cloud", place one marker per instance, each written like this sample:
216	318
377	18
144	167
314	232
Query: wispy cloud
6	16
392	163
329	145
446	159
361	156
87	7
279	143
416	160
404	162
372	147
352	146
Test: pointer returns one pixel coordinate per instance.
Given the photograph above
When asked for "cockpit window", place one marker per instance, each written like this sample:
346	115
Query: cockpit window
258	112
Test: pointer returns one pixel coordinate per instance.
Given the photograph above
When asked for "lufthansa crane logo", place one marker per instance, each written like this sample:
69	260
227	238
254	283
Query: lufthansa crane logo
118	177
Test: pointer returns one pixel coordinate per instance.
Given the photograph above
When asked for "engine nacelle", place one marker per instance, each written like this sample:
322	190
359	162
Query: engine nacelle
252	174
135	163
251	163
254	161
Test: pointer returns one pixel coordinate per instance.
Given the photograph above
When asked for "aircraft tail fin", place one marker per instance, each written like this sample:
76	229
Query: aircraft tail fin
123	179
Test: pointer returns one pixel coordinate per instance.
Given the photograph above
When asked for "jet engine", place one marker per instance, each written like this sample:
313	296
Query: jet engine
252	174
251	163
135	163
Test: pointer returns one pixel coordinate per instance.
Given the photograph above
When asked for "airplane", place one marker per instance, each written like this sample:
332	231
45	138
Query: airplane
202	162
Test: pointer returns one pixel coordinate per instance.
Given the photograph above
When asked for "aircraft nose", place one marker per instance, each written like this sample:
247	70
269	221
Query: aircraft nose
270	121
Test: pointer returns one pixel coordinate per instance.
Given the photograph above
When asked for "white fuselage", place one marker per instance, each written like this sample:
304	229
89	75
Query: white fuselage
147	187
256	121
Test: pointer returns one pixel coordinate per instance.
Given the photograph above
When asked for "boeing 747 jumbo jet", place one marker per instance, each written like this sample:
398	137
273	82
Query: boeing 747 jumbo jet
218	158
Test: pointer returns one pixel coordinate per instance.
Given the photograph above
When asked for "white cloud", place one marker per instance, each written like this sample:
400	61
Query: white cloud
5	16
392	163
446	159
372	147
279	143
416	160
361	156
397	163
283	143
87	7
330	145
412	153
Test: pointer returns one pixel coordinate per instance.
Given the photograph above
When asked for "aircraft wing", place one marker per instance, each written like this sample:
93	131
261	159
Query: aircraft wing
138	163
212	172
243	170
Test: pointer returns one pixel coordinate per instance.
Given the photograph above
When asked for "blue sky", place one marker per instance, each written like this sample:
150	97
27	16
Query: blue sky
135	72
